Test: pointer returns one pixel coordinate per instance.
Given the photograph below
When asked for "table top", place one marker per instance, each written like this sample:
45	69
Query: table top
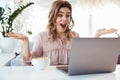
51	73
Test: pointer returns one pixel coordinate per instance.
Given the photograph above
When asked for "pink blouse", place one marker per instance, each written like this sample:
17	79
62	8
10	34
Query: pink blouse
57	51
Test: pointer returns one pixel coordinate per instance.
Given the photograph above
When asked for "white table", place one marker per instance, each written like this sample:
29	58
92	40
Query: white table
52	73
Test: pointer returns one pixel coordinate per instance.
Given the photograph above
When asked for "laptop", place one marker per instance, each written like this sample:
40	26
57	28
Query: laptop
92	55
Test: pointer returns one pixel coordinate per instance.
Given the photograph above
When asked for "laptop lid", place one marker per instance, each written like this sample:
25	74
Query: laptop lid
93	55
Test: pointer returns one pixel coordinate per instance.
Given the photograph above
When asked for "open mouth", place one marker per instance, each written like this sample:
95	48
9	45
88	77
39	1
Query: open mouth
63	25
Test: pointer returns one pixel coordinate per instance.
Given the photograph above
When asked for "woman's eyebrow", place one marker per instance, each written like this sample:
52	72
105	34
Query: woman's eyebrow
63	12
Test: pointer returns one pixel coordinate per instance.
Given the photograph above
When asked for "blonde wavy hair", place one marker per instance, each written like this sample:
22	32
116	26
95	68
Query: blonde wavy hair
56	6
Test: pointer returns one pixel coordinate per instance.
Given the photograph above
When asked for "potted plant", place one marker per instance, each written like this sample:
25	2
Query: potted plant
6	19
6	23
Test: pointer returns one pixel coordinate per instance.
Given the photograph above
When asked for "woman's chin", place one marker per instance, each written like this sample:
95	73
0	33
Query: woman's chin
63	30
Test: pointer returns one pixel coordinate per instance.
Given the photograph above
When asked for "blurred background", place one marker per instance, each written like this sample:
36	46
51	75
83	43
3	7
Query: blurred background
88	15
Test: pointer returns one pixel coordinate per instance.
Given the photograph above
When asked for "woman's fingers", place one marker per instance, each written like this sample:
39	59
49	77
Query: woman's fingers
17	35
105	31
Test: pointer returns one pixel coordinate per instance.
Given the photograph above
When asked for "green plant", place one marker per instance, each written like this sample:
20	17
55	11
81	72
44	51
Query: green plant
29	32
6	19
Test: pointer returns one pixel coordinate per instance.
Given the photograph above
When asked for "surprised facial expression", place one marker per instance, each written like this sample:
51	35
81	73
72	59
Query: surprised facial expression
63	19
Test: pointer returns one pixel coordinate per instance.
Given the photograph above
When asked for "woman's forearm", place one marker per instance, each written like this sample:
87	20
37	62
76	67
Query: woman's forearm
26	50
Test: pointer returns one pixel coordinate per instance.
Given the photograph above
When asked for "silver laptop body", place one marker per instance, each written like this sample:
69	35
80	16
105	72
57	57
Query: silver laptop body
93	55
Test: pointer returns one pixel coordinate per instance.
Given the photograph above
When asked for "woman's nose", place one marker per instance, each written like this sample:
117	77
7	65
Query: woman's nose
64	18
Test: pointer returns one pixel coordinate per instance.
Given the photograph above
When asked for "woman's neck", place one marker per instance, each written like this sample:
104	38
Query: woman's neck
61	35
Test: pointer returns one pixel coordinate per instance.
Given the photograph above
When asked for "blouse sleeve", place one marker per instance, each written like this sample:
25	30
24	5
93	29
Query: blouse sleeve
37	50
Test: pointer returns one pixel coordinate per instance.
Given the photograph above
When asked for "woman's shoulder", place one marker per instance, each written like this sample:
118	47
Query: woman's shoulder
75	34
43	33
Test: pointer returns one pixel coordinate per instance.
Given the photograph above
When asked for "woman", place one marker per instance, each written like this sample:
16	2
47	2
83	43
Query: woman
54	43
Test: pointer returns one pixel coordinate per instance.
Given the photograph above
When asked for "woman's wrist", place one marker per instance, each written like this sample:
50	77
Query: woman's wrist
25	39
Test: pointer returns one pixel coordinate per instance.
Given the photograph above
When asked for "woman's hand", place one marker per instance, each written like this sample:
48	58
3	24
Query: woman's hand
17	36
105	31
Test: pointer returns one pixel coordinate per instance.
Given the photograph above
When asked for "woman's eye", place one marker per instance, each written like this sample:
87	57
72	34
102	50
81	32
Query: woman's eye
67	16
60	15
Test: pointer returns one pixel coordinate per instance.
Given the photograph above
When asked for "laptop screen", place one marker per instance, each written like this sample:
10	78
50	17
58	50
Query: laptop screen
93	55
